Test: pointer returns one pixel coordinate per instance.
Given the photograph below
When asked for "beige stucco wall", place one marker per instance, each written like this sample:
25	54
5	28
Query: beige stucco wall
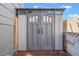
71	25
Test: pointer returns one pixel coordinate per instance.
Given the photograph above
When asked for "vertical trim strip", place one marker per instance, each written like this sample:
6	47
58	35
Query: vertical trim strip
14	32
54	30
27	29
51	34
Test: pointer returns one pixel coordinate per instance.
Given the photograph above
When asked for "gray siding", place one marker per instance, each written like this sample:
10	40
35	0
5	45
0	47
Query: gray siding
58	32
22	32
7	14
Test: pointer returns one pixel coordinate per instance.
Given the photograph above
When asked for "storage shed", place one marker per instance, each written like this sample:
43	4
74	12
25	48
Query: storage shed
39	29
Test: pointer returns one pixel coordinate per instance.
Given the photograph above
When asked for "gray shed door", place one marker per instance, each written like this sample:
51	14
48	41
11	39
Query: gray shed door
40	32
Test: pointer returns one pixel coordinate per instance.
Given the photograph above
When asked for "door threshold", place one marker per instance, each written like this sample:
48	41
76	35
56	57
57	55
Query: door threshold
30	52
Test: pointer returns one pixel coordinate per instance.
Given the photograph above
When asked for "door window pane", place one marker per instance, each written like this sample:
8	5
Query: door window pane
36	18
30	19
44	18
47	18
50	20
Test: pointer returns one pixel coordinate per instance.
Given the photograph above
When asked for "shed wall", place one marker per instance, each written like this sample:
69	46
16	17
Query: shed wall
58	33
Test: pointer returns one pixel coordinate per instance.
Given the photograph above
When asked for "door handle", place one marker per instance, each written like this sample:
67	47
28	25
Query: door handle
38	30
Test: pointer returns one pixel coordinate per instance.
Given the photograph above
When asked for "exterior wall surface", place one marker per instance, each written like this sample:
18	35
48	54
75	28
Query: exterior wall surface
58	32
7	14
22	42
72	25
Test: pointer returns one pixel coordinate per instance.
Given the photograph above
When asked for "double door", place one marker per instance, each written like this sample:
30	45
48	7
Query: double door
40	32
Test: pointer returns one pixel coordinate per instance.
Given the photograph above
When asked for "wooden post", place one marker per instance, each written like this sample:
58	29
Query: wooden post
15	34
